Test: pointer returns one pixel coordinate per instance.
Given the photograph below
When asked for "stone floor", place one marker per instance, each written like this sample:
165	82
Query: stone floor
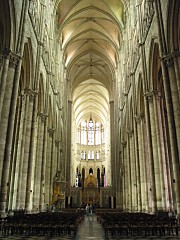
89	229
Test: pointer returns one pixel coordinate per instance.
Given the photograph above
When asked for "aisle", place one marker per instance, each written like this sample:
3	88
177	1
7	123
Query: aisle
90	229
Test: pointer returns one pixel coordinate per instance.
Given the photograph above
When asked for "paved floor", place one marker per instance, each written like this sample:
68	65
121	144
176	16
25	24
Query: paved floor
89	229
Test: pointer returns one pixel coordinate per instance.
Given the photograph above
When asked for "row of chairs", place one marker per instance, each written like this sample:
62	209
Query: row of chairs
137	224
46	223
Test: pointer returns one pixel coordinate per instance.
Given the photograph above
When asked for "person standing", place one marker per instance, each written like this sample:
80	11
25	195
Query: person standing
90	209
87	209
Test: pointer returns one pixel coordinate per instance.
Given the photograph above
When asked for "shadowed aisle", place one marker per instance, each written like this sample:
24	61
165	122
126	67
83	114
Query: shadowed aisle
90	229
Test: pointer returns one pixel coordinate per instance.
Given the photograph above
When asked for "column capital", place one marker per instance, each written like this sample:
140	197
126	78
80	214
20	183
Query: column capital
130	133
57	143
51	131
13	57
169	58
138	118
149	95
123	143
42	116
32	94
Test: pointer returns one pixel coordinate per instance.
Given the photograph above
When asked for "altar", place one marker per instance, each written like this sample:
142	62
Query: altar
90	193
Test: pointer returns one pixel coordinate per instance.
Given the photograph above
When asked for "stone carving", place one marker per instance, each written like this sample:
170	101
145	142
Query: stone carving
147	18
33	13
59	177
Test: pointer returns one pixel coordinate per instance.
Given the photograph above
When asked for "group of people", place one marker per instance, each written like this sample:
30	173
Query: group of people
89	209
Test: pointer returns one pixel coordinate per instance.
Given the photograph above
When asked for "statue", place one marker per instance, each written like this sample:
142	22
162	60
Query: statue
57	176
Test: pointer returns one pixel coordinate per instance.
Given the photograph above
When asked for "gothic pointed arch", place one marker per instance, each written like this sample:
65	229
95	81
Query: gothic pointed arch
50	114
139	96
158	101
7	26
41	95
173	25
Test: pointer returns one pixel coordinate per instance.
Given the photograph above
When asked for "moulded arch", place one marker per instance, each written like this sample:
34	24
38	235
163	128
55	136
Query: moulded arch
7	25
61	129
156	79
92	51
26	68
173	25
58	126
41	96
50	114
139	94
155	66
131	114
91	30
128	116
124	125
154	52
111	16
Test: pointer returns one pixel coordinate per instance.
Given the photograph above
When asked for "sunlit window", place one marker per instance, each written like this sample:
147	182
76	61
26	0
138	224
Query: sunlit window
83	133
98	155
83	155
79	135
90	133
98	133
90	155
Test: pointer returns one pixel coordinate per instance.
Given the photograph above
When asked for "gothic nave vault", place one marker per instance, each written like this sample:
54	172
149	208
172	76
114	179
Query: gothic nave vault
90	98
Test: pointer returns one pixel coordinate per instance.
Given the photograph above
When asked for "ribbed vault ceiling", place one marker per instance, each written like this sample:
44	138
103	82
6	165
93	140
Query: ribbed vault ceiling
90	34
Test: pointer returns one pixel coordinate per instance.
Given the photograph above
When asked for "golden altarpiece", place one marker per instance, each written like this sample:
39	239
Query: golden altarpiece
91	193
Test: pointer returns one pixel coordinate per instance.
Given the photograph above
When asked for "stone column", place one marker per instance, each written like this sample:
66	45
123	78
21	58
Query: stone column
150	162
176	57
42	203
167	159
128	176
21	150
125	180
138	163
155	147
5	102
57	164
32	157
18	150
53	160
133	171
27	142
170	82
174	84
136	169
6	131
120	182
48	187
146	163
61	158
10	79
139	121
15	160
38	161
160	145
69	136
5	66
112	143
